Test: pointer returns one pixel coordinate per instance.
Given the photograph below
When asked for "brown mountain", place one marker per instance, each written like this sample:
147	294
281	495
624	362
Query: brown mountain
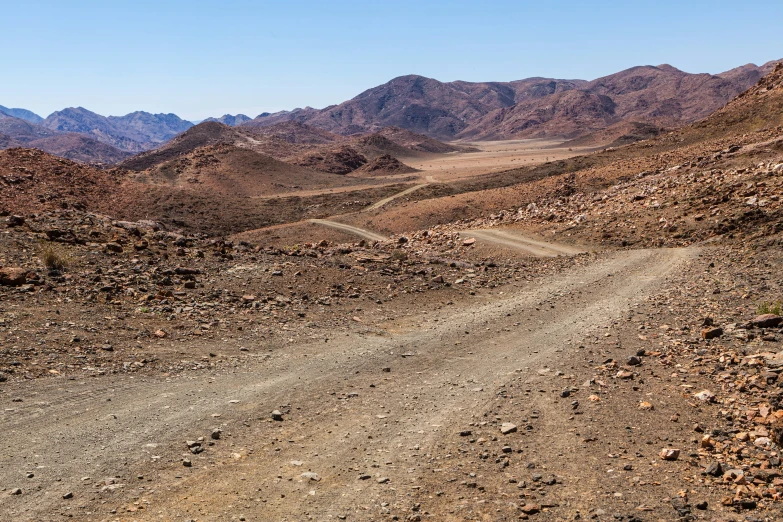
662	96
294	132
760	108
420	104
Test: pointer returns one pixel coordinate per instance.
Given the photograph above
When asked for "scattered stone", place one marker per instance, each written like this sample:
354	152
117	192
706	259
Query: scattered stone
14	221
12	276
711	333
507	428
767	321
669	454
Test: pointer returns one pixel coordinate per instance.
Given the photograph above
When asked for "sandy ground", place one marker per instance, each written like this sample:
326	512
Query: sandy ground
493	156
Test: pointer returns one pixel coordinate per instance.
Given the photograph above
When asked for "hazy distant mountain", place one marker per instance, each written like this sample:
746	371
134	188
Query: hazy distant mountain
228	119
23	114
15	132
135	132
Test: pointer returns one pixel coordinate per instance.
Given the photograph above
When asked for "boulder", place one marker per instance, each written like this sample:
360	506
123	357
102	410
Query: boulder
767	321
12	276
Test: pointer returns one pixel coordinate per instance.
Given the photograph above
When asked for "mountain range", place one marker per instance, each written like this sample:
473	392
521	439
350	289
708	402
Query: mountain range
644	97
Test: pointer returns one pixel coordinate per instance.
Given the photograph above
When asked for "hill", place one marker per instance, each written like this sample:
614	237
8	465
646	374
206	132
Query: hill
201	135
227	169
34	181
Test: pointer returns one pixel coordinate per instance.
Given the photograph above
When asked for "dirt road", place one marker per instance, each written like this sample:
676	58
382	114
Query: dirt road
517	241
366	234
405	192
363	412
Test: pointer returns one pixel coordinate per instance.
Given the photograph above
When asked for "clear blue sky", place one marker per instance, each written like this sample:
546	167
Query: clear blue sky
200	59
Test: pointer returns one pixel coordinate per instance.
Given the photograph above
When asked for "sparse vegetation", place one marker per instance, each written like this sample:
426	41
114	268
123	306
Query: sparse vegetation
399	255
774	307
54	256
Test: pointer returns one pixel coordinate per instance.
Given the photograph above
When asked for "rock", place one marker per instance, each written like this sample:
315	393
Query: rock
701	505
711	333
216	433
115	248
402	240
624	374
469	241
277	415
309	475
68	495
530	509
681	506
12	276
187	463
14	221
15	491
386	369
767	321
160	334
437	279
715	469
669	454
565	393
705	396
633	361
465	433
383	480
507	428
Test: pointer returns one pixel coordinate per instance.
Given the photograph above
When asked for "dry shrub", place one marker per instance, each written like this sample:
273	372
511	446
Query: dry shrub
54	256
